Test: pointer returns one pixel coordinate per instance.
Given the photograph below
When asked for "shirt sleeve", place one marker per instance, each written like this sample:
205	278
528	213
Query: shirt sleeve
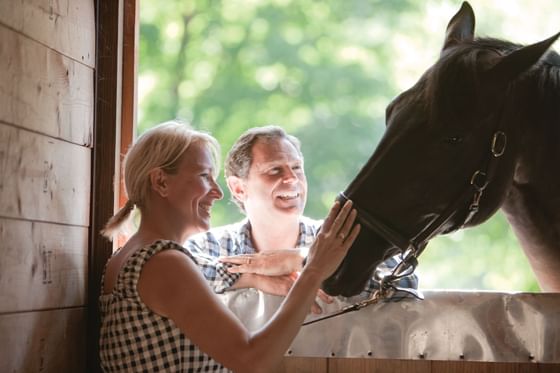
206	252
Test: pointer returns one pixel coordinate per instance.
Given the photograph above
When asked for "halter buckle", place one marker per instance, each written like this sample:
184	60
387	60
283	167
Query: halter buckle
416	293
473	208
479	180
499	141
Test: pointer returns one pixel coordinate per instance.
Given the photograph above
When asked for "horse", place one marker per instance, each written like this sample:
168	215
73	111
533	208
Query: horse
479	131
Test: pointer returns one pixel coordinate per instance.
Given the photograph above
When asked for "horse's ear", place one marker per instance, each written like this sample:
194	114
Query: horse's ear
461	26
509	67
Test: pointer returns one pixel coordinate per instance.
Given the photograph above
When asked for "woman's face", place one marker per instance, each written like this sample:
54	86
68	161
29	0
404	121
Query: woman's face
193	189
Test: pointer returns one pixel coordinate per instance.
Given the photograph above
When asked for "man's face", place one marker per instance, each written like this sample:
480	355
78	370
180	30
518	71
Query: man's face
276	187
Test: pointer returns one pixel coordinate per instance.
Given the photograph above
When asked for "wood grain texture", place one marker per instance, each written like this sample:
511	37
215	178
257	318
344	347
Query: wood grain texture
11	14
66	26
43	265
292	364
44	91
43	178
369	365
487	367
365	365
47	341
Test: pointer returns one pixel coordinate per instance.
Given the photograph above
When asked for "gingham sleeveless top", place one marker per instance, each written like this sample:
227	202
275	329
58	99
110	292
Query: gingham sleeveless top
135	339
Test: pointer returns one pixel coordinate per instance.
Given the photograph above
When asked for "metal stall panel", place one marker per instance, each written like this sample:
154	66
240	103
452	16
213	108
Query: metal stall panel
446	325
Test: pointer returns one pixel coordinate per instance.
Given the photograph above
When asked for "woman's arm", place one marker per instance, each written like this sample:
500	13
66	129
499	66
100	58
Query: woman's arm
172	286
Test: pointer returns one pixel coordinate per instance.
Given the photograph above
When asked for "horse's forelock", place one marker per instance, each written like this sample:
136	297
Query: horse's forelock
452	85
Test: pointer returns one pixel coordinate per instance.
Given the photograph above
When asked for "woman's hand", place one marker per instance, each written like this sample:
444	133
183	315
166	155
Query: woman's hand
335	238
269	263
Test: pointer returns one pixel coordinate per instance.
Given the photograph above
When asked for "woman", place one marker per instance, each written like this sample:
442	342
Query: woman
158	313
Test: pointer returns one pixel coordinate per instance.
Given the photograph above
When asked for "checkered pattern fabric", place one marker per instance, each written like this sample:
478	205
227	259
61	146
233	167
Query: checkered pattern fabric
235	239
134	339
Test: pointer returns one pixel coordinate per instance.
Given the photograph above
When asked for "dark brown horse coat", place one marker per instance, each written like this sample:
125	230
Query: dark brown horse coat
479	131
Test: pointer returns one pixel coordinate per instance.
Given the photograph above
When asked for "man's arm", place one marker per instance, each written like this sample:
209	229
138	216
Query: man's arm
273	272
270	263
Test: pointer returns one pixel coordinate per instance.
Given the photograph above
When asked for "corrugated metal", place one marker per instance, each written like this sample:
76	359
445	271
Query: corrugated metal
446	325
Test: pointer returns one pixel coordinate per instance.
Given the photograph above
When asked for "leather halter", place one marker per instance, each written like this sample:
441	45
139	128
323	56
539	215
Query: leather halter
411	248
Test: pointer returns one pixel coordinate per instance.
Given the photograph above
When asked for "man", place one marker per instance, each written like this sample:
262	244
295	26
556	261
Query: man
264	171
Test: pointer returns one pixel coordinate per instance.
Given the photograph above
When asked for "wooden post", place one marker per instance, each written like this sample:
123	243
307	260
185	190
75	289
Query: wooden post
106	137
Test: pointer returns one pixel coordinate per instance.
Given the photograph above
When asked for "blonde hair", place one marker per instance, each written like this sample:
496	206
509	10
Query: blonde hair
159	147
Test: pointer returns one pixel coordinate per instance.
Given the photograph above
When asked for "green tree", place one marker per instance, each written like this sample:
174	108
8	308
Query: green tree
324	70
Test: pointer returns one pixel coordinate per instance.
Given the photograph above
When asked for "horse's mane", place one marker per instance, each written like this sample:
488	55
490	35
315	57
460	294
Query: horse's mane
453	83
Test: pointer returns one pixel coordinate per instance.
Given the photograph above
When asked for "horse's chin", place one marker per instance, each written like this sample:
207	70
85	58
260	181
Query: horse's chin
356	269
338	284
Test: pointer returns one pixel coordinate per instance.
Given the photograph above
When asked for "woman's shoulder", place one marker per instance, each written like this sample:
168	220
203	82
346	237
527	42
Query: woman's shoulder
143	253
167	249
160	246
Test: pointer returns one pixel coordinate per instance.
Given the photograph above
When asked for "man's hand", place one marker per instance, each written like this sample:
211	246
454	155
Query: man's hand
270	263
278	285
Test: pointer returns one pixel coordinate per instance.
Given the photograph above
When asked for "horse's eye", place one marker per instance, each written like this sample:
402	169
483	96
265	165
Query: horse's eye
453	140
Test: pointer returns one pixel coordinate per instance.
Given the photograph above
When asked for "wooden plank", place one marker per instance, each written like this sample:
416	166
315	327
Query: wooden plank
43	265
44	179
487	367
11	14
371	365
66	26
44	91
546	368
47	341
293	364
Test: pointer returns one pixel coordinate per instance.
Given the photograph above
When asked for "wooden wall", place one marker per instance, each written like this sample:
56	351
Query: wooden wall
47	61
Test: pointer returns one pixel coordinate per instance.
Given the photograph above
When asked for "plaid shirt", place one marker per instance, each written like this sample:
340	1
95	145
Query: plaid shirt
235	239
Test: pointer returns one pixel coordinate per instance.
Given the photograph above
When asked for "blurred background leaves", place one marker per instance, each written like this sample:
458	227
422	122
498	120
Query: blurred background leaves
325	71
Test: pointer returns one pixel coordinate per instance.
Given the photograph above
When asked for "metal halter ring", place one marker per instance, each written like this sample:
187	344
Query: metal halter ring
499	141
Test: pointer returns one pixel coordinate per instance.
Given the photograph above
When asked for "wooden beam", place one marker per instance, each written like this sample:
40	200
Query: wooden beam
106	143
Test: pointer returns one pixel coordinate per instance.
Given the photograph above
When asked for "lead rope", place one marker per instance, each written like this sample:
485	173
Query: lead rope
375	297
386	288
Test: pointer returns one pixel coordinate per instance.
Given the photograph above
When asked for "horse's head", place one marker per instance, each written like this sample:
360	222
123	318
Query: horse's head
446	159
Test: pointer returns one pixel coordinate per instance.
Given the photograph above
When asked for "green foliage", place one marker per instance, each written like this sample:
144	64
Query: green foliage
324	70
